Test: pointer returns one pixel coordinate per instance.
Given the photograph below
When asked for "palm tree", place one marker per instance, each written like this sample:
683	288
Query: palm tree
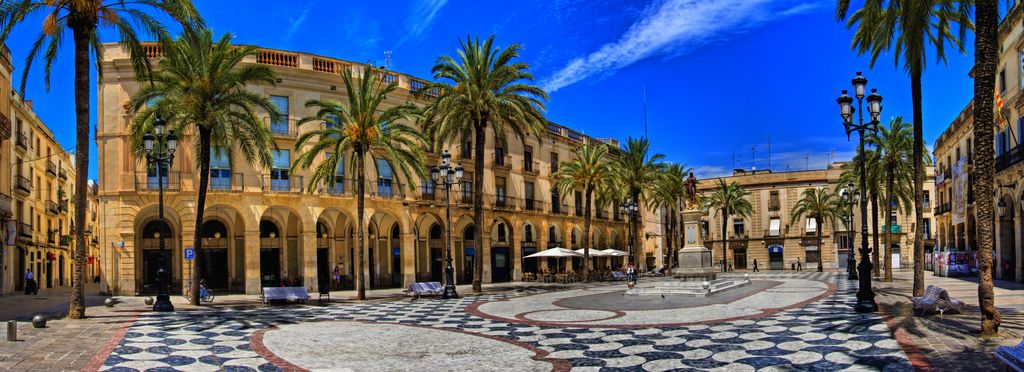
669	193
894	145
729	199
485	87
199	86
823	206
910	28
638	172
361	128
851	173
591	172
84	19
986	58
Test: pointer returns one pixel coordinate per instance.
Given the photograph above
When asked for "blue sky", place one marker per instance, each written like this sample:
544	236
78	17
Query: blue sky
720	76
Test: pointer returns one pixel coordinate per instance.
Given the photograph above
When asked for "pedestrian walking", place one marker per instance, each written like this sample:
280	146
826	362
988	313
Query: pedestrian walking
30	283
755	266
631	273
336	275
799	266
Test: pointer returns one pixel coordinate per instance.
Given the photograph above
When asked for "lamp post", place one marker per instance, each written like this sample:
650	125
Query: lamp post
629	208
865	296
160	152
445	176
850	196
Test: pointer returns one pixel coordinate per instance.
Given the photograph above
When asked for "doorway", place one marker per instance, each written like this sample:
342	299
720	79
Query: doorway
270	267
151	267
739	258
323	268
436	264
213	267
775	259
500	264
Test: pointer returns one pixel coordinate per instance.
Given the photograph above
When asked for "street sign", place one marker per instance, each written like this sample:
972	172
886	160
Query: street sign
190	253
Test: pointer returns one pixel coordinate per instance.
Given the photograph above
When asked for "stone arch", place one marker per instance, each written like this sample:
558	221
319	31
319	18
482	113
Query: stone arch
149	258
554	236
1006	258
464	249
430	247
281	260
385	250
529	235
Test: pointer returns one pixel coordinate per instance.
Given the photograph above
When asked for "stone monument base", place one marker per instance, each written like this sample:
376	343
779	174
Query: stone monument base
695	265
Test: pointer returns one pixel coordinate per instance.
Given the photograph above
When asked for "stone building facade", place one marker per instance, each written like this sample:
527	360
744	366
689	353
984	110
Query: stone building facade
261	229
40	186
769	235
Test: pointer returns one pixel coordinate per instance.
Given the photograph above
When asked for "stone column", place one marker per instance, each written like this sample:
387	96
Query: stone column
307	263
185	241
1018	249
253	284
409	259
485	254
514	257
998	260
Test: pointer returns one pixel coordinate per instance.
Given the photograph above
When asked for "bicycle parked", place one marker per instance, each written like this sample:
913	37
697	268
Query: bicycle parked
205	295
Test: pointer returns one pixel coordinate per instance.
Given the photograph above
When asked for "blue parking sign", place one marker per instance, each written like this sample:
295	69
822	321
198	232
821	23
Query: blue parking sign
190	253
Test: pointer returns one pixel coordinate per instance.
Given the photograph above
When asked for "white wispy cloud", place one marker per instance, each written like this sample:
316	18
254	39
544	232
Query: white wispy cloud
710	171
296	22
422	16
673	27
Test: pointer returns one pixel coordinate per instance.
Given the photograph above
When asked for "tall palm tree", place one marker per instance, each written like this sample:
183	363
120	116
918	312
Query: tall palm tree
729	199
909	28
894	145
85	18
590	171
361	128
986	58
851	173
669	193
199	87
638	171
823	206
485	87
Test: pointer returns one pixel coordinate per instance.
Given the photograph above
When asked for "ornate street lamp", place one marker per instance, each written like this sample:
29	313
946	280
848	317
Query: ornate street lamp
445	176
630	208
160	152
865	296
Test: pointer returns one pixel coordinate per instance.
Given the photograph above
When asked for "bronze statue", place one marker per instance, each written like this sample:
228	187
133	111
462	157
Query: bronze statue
691	192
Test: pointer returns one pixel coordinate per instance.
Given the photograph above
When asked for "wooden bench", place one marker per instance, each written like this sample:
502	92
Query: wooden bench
421	289
1013	356
285	294
936	299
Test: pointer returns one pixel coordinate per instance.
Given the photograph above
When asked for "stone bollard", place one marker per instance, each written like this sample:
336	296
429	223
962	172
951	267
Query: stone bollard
39	321
12	330
746	277
149	301
109	302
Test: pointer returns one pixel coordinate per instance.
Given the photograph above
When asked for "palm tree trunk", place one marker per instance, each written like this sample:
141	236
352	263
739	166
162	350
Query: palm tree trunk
672	232
725	220
821	226
83	35
887	260
918	253
478	204
874	235
586	235
204	180
360	210
985	58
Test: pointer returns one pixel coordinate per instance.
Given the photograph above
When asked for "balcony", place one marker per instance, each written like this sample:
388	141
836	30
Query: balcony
774	206
338	188
428	193
5	126
554	167
65	241
942	209
6	211
24	230
531	167
504	202
146	182
284	128
465	197
21	141
62	174
22	184
579	211
62	207
562	209
287	184
385	189
531	204
1009	158
502	161
51	167
51	207
51	237
235	182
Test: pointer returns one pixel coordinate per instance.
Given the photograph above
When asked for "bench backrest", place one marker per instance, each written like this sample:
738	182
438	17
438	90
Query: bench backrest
285	293
934	293
434	286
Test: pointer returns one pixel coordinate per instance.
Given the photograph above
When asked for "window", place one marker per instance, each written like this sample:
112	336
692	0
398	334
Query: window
1002	81
774	225
892	220
773	201
528	191
385	178
501	232
812	226
280	126
220	169
579	203
554	162
926	228
528	233
331	121
528	159
427	188
844	242
279	180
499	191
338	186
467	189
927	202
467	145
556	201
153	180
499	155
737	227
969	157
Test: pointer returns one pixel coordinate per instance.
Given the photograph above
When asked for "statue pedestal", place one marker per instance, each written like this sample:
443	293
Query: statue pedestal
695	261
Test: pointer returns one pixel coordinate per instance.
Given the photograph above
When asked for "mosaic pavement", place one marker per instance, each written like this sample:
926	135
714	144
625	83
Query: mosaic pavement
822	335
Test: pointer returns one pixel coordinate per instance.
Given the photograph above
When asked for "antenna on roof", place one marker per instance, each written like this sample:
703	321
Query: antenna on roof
753	157
387	59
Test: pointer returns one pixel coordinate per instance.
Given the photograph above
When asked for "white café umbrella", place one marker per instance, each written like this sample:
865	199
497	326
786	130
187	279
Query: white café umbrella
593	252
614	252
557	252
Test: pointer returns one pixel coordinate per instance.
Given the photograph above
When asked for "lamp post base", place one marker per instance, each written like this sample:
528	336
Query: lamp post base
866	306
163	303
449	292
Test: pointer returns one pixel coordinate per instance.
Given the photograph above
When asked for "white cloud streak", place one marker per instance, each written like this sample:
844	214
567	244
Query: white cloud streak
298	21
673	27
423	15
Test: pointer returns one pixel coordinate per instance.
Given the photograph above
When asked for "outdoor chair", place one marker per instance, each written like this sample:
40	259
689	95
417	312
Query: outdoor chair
1013	356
